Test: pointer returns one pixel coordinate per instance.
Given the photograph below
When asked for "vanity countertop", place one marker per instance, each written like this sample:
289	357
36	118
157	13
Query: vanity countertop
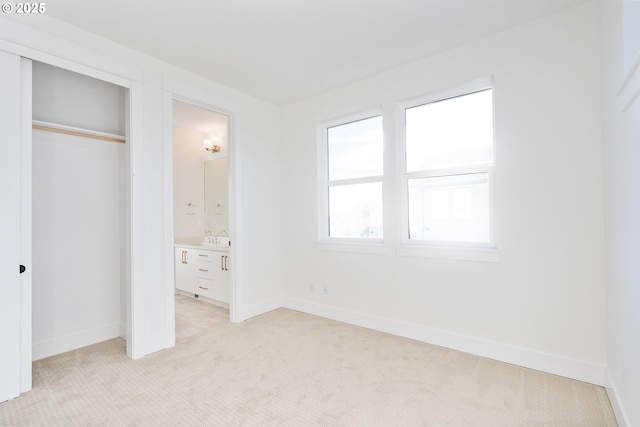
206	246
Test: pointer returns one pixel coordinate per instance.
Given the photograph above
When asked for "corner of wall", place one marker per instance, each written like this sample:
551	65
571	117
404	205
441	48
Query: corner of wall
616	404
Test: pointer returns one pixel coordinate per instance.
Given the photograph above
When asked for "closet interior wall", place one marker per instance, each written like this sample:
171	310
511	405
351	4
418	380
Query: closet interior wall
79	210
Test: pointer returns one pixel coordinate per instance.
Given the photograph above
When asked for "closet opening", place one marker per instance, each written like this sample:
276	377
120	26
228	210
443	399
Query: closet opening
202	226
81	212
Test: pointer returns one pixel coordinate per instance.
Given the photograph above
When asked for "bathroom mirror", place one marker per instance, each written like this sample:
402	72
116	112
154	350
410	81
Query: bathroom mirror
216	197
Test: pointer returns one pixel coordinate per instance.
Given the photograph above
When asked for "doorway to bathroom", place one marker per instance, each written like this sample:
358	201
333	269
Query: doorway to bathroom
202	221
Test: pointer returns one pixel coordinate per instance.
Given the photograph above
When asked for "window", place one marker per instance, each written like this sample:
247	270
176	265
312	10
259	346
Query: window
448	146
353	184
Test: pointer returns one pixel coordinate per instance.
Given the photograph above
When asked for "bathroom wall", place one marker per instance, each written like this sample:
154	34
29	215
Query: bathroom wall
188	183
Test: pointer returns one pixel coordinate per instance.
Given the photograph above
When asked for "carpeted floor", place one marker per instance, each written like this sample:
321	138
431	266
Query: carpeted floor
287	368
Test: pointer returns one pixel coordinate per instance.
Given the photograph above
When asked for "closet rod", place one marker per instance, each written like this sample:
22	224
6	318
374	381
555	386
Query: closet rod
67	130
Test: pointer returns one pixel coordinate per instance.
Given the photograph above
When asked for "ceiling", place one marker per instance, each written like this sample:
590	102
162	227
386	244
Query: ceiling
284	50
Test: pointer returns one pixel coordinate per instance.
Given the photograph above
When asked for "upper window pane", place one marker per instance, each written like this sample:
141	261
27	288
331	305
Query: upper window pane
355	149
450	133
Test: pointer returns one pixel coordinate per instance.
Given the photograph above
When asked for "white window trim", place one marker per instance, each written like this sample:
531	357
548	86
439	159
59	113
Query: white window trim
341	244
486	252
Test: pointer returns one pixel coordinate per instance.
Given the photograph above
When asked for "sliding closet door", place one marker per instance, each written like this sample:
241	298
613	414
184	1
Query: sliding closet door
10	249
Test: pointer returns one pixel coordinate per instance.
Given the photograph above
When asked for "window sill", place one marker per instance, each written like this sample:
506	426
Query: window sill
446	252
355	246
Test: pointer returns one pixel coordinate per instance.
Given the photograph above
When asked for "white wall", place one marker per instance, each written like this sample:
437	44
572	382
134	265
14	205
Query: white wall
543	304
73	99
188	183
622	174
256	143
77	260
259	227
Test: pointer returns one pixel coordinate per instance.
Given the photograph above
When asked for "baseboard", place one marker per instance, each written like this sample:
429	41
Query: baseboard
71	342
616	405
554	364
254	310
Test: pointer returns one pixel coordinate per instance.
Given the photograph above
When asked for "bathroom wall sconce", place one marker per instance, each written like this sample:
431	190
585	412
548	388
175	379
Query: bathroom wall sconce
208	145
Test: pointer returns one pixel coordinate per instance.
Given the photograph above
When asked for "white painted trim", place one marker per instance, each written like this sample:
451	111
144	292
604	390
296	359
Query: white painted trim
77	340
617	406
169	261
59	62
468	87
84	60
26	228
263	307
175	89
199	96
458	253
546	362
234	146
351	117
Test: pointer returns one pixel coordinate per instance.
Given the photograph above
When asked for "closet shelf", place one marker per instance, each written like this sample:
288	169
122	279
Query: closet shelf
70	130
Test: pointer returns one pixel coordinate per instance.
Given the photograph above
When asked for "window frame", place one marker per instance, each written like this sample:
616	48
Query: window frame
348	244
477	251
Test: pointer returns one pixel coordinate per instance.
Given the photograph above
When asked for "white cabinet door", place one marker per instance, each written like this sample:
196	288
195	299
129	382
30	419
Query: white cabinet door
10	304
185	271
220	288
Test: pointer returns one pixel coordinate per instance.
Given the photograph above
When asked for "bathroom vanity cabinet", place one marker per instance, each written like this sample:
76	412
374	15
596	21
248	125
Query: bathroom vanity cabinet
203	272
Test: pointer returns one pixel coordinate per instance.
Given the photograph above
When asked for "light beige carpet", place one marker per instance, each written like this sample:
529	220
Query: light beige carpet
287	368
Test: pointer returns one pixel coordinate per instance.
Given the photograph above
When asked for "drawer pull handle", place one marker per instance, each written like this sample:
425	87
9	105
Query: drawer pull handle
202	287
200	269
184	257
206	256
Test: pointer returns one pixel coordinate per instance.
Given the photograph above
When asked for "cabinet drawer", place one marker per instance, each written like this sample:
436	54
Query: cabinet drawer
204	269
204	287
205	256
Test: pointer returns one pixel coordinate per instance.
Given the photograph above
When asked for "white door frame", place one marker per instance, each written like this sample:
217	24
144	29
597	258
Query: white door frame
201	98
26	198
